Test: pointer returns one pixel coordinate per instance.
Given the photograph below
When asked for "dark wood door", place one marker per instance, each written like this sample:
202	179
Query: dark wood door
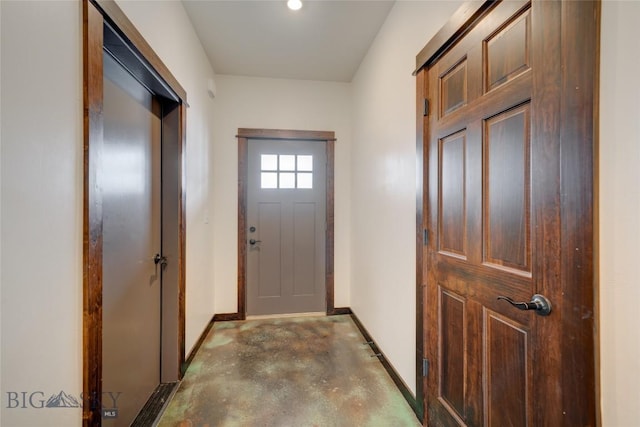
494	188
286	215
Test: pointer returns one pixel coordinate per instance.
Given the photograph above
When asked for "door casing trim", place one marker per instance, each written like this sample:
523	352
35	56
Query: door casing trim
244	135
95	14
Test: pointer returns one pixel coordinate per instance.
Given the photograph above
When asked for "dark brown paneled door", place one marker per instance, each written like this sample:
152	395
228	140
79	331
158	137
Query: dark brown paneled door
131	233
286	212
493	204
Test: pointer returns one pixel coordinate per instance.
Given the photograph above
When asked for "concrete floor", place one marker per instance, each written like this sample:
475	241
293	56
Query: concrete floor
301	371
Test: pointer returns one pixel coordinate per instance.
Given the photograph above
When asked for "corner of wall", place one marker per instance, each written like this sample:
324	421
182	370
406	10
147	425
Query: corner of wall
383	179
1	203
267	103
619	213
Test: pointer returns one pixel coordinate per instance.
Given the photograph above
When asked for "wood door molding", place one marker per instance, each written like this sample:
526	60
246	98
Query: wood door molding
575	89
580	53
116	17
284	134
95	15
92	217
244	135
460	23
421	270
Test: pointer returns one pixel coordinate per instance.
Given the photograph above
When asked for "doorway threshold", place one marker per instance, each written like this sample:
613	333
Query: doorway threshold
286	315
155	406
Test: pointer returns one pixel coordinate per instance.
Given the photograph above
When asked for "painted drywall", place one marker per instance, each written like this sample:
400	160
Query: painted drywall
41	210
41	195
383	167
247	102
167	28
619	155
0	208
41	182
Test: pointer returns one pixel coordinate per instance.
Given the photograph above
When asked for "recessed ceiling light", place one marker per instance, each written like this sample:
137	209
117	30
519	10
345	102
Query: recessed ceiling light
294	4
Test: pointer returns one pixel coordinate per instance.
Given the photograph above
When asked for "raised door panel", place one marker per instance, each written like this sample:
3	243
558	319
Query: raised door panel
452	206
453	88
480	213
507	201
506	51
506	372
269	275
304	248
453	369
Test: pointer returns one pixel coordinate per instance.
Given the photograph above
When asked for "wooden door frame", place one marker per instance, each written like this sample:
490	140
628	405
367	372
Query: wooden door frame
244	135
130	47
577	129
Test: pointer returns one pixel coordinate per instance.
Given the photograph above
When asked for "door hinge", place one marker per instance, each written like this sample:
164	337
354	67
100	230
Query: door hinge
425	237
425	111
425	368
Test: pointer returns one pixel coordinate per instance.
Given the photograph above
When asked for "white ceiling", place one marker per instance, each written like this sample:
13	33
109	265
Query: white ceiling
325	40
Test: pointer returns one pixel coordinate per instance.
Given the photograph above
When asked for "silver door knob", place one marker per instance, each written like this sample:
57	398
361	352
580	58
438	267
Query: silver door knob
158	259
254	241
538	303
